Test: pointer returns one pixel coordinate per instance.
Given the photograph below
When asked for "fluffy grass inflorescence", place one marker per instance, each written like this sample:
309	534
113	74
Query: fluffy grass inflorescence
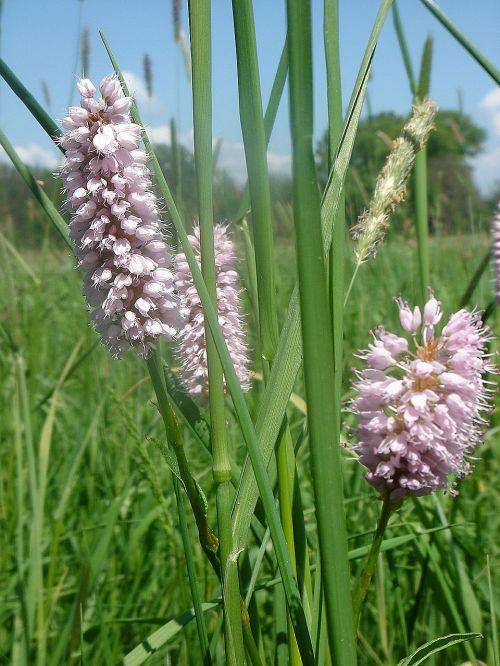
115	222
390	188
420	403
192	345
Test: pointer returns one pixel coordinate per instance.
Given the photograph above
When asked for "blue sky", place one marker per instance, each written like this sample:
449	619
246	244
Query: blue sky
39	42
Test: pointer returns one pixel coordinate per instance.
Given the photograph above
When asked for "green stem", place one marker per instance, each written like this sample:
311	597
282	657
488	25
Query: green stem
201	54
208	540
252	289
489	310
351	283
371	562
285	494
176	159
250	645
195	593
422	221
318	359
403	45
474	281
254	139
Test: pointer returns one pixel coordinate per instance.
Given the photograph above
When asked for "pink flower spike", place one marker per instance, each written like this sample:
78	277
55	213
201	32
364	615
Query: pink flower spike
421	414
192	345
118	240
495	251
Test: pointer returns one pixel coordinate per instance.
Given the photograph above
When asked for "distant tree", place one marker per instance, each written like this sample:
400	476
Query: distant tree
452	191
226	193
20	214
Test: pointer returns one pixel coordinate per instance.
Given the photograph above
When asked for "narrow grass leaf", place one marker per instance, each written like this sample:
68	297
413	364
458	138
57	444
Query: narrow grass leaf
424	79
269	118
39	194
30	102
437	645
403	45
488	67
163	635
255	142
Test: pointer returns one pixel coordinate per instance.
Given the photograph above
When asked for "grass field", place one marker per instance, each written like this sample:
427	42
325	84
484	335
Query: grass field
91	556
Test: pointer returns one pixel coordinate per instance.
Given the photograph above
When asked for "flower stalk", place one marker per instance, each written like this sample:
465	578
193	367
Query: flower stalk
200	30
363	582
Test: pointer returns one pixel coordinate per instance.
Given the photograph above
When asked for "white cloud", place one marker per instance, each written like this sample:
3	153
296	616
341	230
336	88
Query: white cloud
160	134
487	165
491	100
487	169
138	90
34	155
491	104
232	160
279	163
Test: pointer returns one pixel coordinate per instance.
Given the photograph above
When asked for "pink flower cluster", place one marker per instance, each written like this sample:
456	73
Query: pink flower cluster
419	404
192	345
495	250
115	222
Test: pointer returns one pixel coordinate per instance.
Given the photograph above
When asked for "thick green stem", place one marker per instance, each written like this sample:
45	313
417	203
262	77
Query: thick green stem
201	53
318	349
254	137
371	562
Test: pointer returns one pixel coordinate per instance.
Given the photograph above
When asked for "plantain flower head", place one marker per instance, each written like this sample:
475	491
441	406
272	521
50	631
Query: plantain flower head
115	224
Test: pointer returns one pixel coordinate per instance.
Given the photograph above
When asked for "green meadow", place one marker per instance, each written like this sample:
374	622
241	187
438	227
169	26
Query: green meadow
92	559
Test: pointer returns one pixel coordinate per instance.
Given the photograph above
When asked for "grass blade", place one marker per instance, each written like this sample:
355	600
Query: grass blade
269	118
318	352
201	59
437	645
488	67
30	102
403	45
254	138
39	194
